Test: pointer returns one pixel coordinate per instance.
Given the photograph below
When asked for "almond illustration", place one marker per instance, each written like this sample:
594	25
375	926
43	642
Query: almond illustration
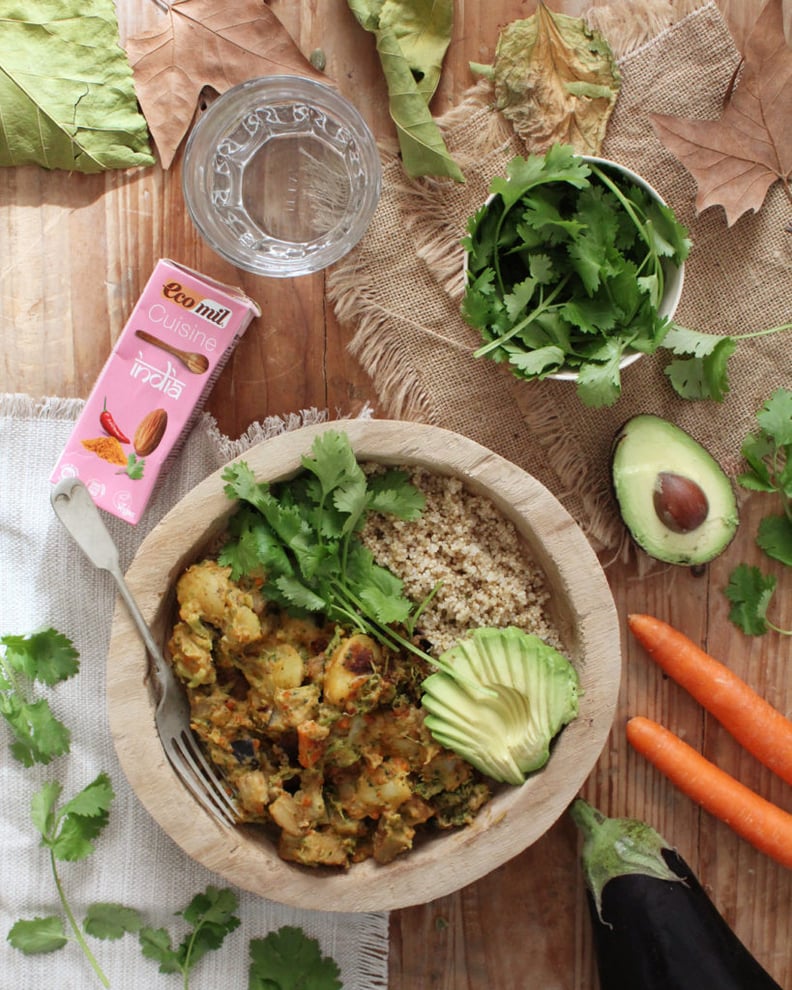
149	432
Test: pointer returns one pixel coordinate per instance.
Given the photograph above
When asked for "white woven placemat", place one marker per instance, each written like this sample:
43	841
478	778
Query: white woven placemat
46	581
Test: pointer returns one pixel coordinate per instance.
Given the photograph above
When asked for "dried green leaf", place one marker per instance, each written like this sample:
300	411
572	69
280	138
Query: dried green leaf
423	30
555	80
412	39
66	94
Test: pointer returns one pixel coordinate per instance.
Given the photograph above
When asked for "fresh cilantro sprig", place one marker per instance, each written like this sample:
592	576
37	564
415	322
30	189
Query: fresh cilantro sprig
701	371
768	456
566	271
46	657
69	833
301	538
211	915
288	959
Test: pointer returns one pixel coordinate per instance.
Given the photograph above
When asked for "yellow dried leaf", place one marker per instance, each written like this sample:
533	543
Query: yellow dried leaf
556	81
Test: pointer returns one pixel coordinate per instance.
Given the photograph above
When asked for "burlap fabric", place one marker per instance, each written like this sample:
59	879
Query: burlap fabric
400	291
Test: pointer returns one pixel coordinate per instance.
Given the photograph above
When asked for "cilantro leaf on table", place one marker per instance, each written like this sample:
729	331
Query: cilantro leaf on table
301	538
774	536
68	832
703	374
768	456
211	915
37	936
46	657
111	921
288	959
750	593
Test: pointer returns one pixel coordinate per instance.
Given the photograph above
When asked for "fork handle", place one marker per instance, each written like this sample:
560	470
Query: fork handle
78	512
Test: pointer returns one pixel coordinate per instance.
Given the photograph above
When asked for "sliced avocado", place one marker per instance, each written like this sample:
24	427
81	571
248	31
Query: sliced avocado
506	696
674	497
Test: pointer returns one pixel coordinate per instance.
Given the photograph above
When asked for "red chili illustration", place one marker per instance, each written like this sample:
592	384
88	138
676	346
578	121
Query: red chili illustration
110	426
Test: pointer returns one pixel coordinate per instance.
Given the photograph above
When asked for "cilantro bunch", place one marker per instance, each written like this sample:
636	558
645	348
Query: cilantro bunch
768	455
566	269
301	538
69	833
567	266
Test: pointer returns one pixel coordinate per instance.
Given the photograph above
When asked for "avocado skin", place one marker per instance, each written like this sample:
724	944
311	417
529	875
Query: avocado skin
646	446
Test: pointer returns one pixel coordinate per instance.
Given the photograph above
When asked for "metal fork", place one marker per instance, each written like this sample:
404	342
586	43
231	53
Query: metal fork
77	511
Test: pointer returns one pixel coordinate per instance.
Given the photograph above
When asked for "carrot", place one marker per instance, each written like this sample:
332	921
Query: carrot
766	826
754	723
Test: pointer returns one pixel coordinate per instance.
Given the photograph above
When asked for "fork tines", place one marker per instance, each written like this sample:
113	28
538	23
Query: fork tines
202	780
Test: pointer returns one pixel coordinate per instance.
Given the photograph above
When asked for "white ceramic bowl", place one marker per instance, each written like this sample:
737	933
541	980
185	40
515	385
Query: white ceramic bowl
674	274
583	611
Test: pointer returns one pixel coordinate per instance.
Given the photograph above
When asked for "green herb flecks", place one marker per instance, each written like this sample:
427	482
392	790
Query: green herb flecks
768	456
46	657
301	538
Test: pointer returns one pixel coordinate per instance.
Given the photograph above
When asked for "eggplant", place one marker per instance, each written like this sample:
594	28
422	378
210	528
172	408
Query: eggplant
655	927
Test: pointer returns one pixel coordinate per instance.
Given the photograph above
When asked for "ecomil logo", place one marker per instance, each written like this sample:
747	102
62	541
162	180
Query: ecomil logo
208	309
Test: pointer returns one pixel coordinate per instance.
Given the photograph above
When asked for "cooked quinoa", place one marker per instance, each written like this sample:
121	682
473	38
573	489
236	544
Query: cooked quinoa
464	541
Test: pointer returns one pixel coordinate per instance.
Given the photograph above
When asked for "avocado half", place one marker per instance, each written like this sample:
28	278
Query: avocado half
675	499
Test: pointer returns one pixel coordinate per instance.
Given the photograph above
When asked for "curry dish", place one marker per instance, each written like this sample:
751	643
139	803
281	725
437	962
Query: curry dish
319	730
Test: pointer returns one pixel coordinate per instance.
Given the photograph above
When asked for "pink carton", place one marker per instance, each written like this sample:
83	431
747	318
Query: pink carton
153	386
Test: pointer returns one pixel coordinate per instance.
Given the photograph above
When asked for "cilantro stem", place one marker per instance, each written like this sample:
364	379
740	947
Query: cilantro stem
74	925
524	322
761	333
422	608
350	606
354	609
187	966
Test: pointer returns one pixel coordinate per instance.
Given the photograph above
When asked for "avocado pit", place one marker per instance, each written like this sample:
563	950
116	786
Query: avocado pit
679	502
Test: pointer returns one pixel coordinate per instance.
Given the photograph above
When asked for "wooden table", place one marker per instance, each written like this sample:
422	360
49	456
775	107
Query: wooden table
76	253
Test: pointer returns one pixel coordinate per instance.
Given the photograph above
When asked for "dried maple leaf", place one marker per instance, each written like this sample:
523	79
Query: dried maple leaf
736	159
206	43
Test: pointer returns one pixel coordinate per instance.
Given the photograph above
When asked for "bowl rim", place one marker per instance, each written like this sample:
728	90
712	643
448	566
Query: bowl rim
674	282
212	126
514	818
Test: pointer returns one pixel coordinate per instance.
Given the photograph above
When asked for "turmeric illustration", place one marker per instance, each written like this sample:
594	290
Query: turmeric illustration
108	448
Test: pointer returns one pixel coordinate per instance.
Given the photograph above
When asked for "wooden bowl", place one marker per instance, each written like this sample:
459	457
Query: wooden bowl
582	608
